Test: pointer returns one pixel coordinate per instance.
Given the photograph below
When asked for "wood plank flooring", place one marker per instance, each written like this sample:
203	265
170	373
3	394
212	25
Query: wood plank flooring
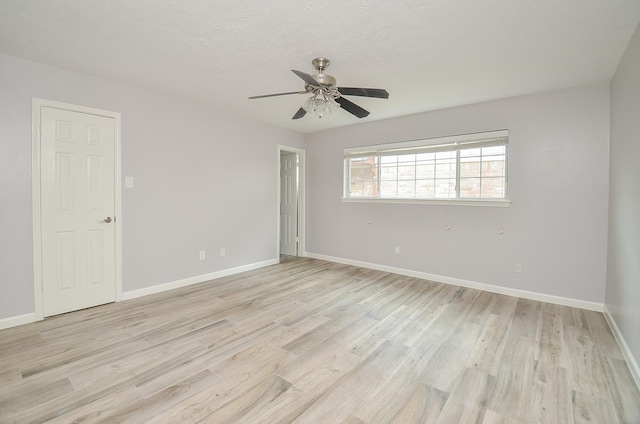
308	341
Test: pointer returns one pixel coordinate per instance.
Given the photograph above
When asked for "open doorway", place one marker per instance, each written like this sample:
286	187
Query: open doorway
290	202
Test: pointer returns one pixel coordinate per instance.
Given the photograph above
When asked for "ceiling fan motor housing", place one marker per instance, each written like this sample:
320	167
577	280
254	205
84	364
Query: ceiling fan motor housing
325	80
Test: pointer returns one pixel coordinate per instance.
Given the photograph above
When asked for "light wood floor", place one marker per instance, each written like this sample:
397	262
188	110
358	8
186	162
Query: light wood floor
309	341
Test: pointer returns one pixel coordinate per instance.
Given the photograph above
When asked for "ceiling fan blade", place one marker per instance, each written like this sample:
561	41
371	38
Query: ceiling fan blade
299	114
277	94
306	77
352	108
379	93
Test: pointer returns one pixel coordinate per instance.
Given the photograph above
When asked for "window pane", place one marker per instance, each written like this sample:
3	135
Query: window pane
425	156
407	172
425	189
362	177
355	189
470	187
470	152
469	167
493	188
406	189
389	172
425	170
407	158
493	150
446	155
388	189
493	166
445	188
445	169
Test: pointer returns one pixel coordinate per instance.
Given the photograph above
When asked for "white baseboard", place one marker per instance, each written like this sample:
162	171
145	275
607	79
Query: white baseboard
195	280
558	300
624	347
29	318
17	320
593	306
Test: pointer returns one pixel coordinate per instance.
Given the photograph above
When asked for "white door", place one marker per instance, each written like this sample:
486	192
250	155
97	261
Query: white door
78	203
289	203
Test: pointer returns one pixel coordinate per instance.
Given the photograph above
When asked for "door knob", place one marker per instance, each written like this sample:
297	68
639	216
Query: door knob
107	219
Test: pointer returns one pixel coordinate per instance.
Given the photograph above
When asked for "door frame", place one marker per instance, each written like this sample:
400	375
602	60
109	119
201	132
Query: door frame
301	199
36	193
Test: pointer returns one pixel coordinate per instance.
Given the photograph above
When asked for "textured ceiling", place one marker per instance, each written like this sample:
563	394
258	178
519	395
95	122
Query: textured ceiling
427	54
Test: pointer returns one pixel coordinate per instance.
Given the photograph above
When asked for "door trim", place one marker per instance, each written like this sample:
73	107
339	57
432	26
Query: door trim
36	192
302	250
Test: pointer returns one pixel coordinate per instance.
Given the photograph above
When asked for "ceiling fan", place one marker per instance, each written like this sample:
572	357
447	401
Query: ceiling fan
325	96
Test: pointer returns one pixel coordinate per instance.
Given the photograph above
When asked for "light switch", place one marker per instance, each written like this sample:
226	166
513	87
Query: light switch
128	182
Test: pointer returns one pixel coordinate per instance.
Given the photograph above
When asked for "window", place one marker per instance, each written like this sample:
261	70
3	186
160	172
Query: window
466	167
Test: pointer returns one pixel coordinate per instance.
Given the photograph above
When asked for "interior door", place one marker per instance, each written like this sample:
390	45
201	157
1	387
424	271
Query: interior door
289	203
78	202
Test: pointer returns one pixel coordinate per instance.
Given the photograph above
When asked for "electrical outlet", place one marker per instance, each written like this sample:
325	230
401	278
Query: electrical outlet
202	255
397	250
518	268
223	251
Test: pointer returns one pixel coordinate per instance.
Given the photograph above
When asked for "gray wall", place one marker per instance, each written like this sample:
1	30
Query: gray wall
556	225
623	262
203	179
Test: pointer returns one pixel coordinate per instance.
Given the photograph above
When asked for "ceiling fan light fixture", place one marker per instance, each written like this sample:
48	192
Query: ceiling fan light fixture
320	103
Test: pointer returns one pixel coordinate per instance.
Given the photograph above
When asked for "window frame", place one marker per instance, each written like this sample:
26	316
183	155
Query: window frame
456	143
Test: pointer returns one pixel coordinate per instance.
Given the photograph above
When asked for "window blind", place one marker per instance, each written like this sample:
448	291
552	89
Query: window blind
440	144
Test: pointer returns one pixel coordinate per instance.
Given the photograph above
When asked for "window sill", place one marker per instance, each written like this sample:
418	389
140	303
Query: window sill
500	203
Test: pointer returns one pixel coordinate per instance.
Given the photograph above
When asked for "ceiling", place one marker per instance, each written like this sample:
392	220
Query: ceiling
428	54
